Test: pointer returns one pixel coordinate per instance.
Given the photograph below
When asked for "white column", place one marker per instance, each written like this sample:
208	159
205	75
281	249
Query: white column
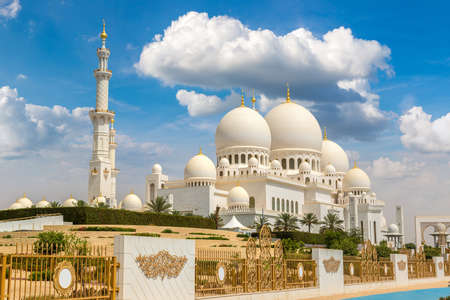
400	266
439	265
330	280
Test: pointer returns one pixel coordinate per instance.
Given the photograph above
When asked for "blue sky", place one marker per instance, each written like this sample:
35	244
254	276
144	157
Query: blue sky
398	53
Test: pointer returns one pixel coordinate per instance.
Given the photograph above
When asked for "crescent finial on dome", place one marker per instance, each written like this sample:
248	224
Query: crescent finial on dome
325	134
355	166
288	94
242	98
253	100
103	35
200	151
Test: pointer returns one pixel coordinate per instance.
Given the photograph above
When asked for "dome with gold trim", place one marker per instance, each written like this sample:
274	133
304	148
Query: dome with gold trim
200	167
356	179
26	202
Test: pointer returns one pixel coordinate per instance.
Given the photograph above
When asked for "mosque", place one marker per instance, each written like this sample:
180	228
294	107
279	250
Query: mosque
265	165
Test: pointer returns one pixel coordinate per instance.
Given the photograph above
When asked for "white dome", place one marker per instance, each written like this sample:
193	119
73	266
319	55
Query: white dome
200	166
440	228
333	154
100	199
242	126
393	228
71	202
356	179
26	203
43	203
275	164
253	162
293	127
238	196
156	169
16	205
304	166
131	202
330	170
224	163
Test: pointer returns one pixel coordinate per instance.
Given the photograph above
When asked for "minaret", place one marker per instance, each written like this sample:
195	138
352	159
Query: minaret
112	158
100	174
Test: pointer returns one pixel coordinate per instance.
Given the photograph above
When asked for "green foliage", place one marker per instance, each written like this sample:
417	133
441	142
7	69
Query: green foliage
93	215
225	245
50	242
202	233
242	235
260	222
216	218
308	220
167	230
220	238
8	236
41	276
81	203
410	246
347	245
332	222
54	204
431	251
291	245
383	250
149	234
286	222
159	205
104	228
305	237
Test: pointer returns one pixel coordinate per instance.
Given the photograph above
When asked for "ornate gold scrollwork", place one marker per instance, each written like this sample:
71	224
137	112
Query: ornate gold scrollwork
331	265
265	241
64	278
162	265
252	265
401	265
221	273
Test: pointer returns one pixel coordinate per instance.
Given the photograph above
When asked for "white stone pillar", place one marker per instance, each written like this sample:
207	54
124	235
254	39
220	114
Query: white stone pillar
439	265
132	280
400	265
329	270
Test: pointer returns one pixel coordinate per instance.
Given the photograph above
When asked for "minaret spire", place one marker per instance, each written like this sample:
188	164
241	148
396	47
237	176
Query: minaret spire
288	94
253	100
103	35
242	98
325	134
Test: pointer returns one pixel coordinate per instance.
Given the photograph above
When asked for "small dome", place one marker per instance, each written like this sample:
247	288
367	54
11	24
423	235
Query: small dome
330	170
440	228
100	199
131	202
253	162
200	166
333	154
393	228
304	166
156	169
275	164
242	126
16	205
238	196
27	203
356	179
43	203
294	127
224	163
71	202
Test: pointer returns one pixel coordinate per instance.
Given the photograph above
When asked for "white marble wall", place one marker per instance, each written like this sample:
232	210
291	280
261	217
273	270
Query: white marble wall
330	283
439	261
134	285
36	223
401	276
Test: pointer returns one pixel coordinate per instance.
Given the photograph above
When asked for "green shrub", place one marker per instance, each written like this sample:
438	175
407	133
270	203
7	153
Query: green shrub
50	242
220	238
150	234
431	251
411	246
383	250
8	236
203	233
93	215
242	235
38	276
345	244
225	245
305	237
291	245
104	228
167	230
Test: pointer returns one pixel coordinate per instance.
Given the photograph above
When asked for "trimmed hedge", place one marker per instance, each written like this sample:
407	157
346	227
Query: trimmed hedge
305	237
93	215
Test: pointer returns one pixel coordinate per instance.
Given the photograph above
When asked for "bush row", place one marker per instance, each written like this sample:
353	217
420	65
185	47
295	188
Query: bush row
305	237
93	215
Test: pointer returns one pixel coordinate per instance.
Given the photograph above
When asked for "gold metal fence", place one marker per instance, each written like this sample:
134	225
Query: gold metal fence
447	268
419	266
368	267
53	271
264	267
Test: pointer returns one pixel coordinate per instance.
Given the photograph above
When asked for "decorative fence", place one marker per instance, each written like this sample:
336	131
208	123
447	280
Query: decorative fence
447	268
367	267
419	266
53	271
262	268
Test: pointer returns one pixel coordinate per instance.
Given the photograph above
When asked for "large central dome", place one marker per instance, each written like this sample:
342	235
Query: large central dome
294	127
242	126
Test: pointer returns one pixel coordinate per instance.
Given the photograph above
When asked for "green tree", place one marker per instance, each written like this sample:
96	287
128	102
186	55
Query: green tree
347	245
286	222
410	246
260	222
81	203
55	204
159	205
215	217
332	222
383	250
431	251
309	219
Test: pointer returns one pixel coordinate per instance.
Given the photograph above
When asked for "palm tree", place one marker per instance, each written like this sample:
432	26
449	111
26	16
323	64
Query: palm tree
159	205
331	222
286	222
55	204
309	219
176	213
215	217
260	222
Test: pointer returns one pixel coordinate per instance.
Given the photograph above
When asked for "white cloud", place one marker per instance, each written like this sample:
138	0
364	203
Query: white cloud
21	76
199	104
352	155
422	134
222	53
9	9
385	168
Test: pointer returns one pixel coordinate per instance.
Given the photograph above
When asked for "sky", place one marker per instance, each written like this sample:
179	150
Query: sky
375	74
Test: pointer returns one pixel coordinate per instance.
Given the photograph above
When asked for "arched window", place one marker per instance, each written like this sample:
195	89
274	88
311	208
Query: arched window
255	172
229	159
307	180
287	205
329	182
283	163
292	206
291	164
221	173
299	161
228	173
261	160
252	202
313	166
273	203
296	208
152	191
236	158
278	204
242	158
249	156
282	205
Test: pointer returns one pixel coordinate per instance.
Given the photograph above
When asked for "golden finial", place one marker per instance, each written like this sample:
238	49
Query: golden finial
112	121
24	195
71	197
288	94
103	35
43	199
131	191
354	165
200	151
325	134
242	98
253	99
